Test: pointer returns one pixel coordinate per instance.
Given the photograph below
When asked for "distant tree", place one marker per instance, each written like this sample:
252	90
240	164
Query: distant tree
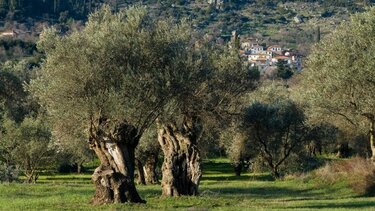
8	173
147	157
321	138
72	152
276	131
284	71
15	105
11	96
233	139
342	84
254	72
28	145
237	148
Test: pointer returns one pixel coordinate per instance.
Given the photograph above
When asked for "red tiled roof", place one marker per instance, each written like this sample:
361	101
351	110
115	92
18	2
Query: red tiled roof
282	57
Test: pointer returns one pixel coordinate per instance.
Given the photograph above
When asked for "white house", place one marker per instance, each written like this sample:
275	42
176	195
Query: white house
255	49
276	49
11	33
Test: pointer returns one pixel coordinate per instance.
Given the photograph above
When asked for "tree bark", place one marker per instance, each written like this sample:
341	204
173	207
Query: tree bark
181	167
275	172
141	173
79	167
343	150
31	176
149	169
238	168
372	144
114	178
30	173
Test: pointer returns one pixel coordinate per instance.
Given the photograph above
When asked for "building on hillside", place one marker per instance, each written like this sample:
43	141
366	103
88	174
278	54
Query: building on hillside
293	61
256	49
260	59
246	46
248	42
10	33
263	57
276	49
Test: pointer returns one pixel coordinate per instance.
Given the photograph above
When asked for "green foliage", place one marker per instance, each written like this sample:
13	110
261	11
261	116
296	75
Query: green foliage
275	131
120	67
8	173
254	73
72	153
341	84
322	138
38	8
216	79
27	145
239	151
15	103
284	71
148	146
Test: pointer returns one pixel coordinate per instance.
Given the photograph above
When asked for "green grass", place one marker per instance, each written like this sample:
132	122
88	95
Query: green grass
220	190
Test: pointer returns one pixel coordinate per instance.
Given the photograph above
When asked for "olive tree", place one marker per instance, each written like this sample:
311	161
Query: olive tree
208	91
147	157
340	78
29	145
108	83
321	138
15	106
276	130
12	96
237	148
72	153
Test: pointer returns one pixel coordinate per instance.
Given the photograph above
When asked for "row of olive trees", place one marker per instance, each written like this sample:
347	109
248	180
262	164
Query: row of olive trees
125	72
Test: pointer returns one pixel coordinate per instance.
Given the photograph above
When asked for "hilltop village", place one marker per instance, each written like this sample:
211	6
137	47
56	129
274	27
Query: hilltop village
264	57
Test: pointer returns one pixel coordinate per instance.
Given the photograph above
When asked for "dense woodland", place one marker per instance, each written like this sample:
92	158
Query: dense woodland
147	98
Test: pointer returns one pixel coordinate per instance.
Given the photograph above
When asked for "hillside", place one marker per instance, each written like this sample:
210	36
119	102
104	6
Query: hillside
293	24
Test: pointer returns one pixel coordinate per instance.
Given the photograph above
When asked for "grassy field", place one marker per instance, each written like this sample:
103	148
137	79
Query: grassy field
220	190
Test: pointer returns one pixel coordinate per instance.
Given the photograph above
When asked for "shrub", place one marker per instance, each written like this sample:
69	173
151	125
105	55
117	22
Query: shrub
8	173
357	172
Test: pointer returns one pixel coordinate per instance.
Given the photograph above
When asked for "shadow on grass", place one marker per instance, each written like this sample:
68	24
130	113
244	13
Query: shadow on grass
57	192
217	167
145	191
264	192
263	177
70	179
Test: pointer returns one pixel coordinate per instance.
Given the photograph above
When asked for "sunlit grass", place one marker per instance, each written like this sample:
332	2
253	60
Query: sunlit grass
220	190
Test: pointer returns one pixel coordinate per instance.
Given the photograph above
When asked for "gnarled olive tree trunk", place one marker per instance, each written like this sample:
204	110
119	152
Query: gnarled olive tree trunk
114	178
181	167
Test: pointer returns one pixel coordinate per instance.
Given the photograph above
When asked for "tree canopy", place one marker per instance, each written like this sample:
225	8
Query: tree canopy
116	68
340	77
